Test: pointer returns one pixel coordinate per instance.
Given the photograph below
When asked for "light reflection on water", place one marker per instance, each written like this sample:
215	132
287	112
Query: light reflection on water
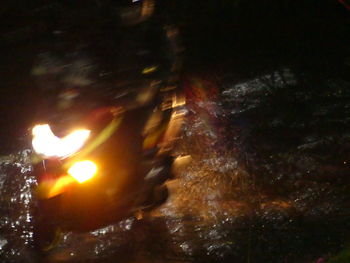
16	202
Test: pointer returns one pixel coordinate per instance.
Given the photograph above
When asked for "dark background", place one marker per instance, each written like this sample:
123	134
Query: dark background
253	35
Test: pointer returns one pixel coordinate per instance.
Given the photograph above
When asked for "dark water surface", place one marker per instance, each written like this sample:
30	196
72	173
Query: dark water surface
264	185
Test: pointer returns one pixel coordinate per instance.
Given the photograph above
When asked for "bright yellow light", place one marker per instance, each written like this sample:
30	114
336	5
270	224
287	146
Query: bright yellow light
51	188
46	143
83	171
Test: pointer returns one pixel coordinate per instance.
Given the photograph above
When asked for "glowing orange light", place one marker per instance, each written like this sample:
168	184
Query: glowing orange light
83	170
51	188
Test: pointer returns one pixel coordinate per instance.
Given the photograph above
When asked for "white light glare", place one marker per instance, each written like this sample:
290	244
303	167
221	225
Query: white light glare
47	144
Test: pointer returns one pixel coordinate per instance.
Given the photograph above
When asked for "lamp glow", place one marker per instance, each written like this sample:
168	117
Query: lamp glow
47	144
82	171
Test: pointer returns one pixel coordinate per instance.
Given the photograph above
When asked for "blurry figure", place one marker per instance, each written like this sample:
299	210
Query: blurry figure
122	91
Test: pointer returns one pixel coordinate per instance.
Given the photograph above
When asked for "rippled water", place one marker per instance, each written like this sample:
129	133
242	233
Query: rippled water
16	186
267	182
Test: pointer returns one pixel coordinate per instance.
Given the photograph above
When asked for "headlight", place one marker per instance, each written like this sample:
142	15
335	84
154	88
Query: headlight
82	171
47	144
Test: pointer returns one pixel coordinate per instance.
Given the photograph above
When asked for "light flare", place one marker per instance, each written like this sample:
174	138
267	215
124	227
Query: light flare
83	170
50	188
47	144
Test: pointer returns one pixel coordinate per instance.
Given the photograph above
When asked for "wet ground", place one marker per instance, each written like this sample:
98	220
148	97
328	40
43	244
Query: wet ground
275	190
269	138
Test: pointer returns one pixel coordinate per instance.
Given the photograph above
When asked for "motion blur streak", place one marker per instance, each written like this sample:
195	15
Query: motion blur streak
51	188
